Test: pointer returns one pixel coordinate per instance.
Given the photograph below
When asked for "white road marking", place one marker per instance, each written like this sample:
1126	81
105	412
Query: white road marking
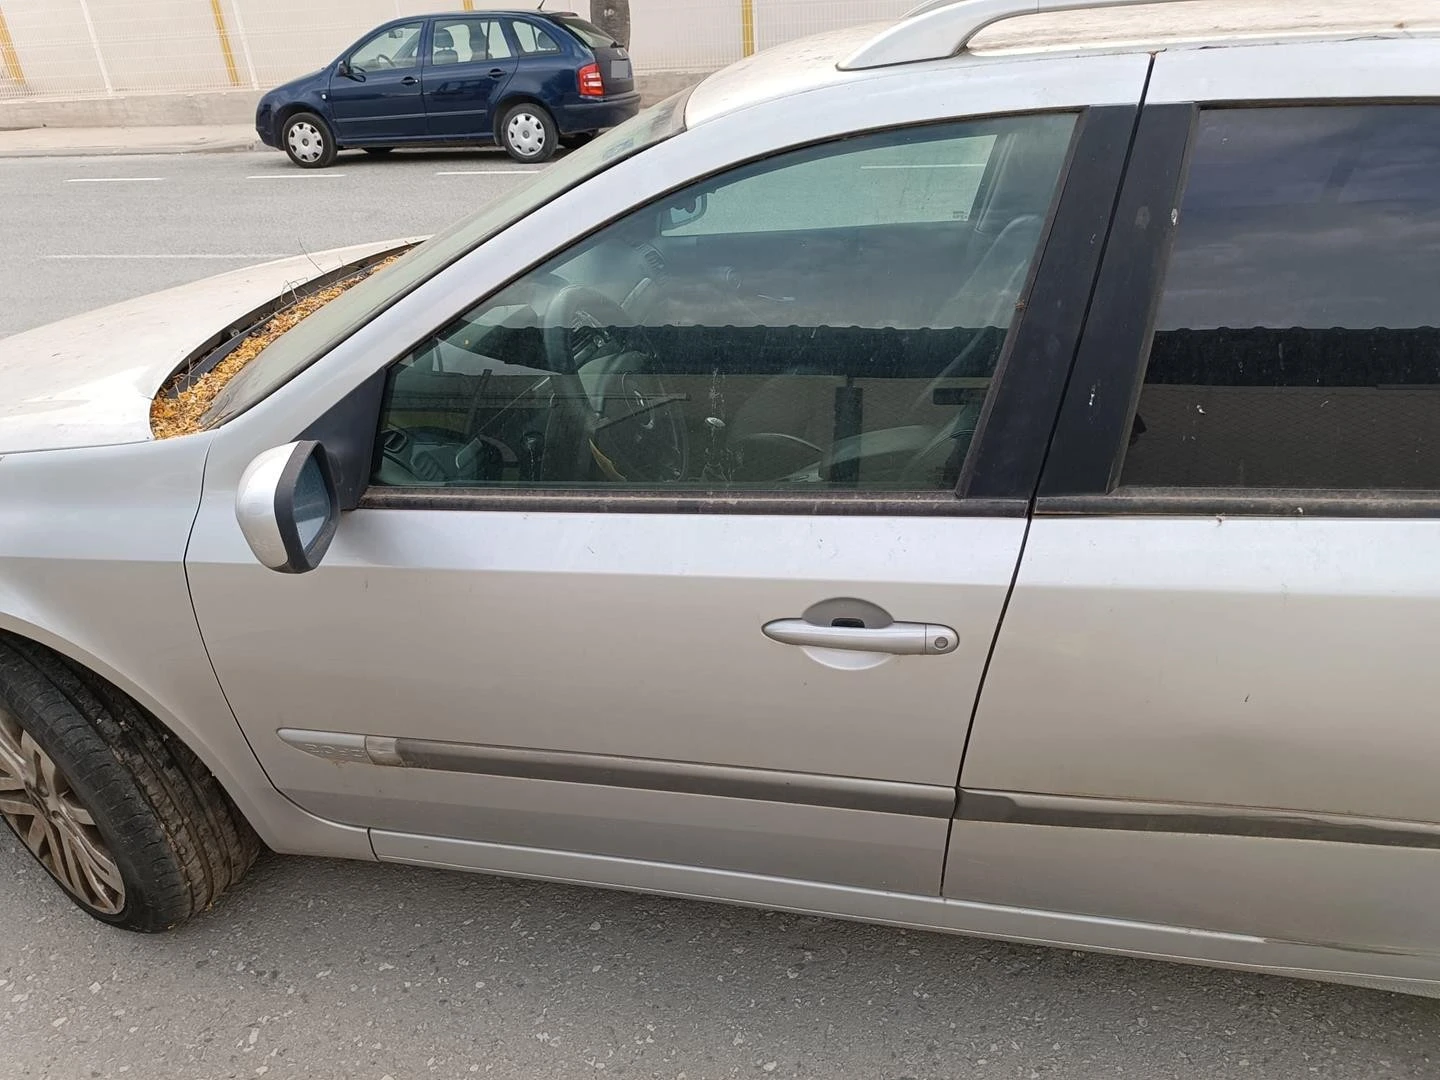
490	172
958	165
231	257
296	176
114	179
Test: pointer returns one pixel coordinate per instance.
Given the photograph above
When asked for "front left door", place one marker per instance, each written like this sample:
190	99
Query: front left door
376	96
661	564
468	63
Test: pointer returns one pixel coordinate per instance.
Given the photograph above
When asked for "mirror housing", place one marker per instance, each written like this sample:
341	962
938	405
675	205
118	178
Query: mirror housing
288	506
345	71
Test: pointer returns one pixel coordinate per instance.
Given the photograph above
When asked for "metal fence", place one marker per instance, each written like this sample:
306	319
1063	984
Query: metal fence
98	48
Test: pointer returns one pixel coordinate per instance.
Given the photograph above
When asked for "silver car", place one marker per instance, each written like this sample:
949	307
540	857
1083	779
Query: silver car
983	478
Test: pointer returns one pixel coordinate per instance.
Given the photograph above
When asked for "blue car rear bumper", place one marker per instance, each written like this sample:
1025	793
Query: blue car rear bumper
593	115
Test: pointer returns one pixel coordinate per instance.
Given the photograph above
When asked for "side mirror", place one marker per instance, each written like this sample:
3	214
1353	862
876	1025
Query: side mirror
288	506
345	71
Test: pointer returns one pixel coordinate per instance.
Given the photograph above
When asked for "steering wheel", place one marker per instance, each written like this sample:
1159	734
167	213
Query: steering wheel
383	59
602	360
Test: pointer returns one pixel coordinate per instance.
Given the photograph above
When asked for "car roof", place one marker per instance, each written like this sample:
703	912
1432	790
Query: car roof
878	50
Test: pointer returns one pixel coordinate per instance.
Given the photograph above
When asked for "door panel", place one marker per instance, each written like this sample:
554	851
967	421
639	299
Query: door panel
469	63
1234	661
385	105
1358	896
460	100
1220	628
381	97
636	635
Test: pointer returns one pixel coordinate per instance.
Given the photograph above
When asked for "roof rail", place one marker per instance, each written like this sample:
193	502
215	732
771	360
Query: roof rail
938	29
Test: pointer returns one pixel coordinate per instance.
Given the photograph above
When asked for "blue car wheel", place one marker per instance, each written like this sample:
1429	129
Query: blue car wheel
528	133
307	141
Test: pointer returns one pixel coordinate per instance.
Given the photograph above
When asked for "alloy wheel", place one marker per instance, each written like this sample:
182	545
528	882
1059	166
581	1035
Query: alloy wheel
37	802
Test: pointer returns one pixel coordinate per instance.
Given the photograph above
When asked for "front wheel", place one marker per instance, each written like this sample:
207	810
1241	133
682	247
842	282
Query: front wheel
123	816
529	134
308	141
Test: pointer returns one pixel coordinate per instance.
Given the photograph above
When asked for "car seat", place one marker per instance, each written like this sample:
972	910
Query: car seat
444	48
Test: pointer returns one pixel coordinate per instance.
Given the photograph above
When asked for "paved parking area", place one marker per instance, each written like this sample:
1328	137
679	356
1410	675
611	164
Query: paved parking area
321	970
81	232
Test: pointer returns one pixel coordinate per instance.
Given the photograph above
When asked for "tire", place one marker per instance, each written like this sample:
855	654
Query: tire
308	141
528	133
378	151
136	832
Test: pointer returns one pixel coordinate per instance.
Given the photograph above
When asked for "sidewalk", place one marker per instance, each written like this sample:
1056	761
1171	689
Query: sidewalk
84	142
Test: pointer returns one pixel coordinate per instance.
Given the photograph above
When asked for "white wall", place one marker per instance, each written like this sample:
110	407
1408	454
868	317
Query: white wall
156	44
171	45
783	20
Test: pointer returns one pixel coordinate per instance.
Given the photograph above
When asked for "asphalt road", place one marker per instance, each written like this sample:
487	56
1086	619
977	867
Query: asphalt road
321	969
76	233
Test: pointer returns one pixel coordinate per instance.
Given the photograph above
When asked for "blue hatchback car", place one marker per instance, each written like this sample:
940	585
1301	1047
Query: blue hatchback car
529	80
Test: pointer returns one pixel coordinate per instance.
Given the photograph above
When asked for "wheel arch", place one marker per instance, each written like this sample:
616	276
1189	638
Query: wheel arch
220	746
519	97
292	108
289	109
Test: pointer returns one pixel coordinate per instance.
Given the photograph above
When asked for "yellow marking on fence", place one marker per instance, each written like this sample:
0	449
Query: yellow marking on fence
9	58
468	5
224	35
747	25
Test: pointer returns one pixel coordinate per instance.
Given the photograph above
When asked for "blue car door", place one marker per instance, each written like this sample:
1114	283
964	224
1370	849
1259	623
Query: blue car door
467	65
375	91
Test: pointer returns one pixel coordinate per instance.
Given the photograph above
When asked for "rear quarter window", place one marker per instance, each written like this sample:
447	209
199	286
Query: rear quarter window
533	40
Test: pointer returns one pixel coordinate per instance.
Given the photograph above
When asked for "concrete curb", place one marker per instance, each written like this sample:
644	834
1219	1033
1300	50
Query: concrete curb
128	151
114	141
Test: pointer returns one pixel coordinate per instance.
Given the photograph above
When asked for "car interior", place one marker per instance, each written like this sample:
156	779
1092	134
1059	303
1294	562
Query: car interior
700	343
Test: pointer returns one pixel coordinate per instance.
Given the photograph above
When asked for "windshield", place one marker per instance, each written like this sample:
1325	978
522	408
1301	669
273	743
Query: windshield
320	332
587	32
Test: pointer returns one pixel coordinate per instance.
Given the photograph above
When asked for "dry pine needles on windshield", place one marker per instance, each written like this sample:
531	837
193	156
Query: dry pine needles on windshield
171	417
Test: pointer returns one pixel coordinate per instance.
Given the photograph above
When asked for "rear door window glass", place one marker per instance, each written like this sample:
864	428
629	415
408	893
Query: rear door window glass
466	41
1296	343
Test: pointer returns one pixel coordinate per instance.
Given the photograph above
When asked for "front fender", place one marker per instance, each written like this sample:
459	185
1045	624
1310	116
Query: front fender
92	545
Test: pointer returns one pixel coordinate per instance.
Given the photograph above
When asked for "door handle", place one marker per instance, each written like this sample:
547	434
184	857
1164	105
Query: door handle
496	73
906	639
408	80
